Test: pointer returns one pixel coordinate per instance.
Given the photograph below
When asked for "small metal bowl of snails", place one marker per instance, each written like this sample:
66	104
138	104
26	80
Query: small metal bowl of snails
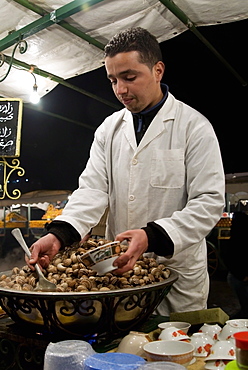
85	303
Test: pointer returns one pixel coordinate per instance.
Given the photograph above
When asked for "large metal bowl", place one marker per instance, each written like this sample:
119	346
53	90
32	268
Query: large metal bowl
104	313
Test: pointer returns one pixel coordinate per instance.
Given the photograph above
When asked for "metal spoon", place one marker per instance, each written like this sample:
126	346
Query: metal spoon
43	283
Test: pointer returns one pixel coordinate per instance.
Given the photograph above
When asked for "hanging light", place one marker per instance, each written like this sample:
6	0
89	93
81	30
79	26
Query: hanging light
34	97
22	45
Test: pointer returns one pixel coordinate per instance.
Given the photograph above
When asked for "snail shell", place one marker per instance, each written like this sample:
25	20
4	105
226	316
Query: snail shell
92	243
15	270
22	272
166	273
31	280
137	270
155	271
67	262
17	286
86	282
57	261
61	267
81	288
27	287
74	258
71	282
68	272
20	279
75	266
51	268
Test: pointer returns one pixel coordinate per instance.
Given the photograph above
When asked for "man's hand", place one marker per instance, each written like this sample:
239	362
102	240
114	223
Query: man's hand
138	243
43	251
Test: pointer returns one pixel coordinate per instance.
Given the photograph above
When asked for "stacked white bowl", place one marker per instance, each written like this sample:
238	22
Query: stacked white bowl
222	350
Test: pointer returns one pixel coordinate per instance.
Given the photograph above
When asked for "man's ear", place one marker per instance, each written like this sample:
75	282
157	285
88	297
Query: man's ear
159	69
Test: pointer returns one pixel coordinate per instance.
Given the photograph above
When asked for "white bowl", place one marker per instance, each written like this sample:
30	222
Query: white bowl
222	350
172	351
230	328
203	343
133	343
184	326
101	259
211	329
172	333
238	322
216	364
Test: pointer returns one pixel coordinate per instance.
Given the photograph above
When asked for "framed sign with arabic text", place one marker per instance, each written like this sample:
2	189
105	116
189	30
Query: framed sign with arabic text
10	127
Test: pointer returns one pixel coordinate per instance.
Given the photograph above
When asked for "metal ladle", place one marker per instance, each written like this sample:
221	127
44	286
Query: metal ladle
43	284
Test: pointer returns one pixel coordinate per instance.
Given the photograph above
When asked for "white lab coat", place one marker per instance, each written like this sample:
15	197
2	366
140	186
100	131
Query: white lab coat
174	177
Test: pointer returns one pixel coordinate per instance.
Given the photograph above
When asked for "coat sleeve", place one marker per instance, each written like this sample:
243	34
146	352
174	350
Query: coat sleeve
205	188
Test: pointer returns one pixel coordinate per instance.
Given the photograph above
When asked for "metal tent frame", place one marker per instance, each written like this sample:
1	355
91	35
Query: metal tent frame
57	18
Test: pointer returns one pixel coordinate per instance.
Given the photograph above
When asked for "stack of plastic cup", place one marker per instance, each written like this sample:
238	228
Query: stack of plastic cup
68	354
113	361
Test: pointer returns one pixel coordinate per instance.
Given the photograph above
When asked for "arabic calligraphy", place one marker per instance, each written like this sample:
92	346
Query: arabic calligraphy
6	117
6	112
10	125
4	133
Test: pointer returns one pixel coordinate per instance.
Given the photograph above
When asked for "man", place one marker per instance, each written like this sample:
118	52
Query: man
156	164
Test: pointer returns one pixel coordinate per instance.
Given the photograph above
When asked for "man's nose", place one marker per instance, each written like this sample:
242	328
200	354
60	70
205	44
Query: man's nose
121	87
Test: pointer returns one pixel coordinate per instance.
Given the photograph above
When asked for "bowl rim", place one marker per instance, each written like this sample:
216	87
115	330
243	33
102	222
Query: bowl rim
91	294
189	351
169	324
93	251
90	254
233	321
219	357
214	367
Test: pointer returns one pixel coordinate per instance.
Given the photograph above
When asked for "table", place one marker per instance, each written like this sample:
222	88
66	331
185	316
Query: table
22	349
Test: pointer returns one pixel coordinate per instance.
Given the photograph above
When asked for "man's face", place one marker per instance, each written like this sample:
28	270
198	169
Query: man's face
135	84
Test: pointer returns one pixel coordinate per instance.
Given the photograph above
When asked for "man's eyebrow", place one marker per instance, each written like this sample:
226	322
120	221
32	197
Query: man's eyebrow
123	73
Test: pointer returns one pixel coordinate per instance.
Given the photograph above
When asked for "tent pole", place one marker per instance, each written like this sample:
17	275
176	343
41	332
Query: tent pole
57	79
191	26
47	20
38	10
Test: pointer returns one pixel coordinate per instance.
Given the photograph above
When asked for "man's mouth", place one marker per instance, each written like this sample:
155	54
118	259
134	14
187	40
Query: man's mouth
126	101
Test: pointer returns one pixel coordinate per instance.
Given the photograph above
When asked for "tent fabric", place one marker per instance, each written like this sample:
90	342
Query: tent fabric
63	54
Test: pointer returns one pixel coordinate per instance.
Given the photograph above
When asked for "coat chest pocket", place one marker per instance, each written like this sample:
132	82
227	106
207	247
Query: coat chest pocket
167	170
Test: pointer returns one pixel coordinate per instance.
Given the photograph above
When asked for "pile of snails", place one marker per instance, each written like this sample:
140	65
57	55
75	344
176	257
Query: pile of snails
69	274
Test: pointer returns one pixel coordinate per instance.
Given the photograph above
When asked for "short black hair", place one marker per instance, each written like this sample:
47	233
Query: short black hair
135	39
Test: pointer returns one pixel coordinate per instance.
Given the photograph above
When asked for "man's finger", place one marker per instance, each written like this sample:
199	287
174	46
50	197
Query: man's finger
44	261
126	267
122	260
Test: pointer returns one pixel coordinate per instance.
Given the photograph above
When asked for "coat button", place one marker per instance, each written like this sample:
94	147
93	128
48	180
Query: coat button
131	197
135	161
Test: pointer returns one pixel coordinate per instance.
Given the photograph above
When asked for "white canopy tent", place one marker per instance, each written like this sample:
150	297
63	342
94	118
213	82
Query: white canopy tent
66	39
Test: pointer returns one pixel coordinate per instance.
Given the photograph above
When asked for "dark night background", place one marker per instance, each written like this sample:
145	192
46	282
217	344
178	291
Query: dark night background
54	152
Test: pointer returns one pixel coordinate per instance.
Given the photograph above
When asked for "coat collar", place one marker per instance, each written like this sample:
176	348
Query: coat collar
158	124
